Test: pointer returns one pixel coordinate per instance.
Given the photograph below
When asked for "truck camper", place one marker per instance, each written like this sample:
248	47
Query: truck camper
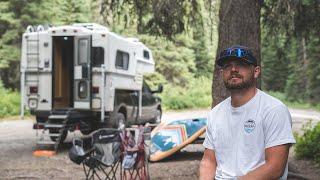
84	77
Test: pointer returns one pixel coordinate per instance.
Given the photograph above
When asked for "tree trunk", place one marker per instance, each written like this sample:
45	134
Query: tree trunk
239	24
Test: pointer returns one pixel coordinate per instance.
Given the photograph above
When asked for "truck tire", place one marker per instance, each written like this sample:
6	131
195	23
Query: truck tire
119	121
63	136
157	118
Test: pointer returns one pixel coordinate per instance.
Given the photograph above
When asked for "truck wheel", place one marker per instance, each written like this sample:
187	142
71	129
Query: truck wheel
55	131
157	119
119	121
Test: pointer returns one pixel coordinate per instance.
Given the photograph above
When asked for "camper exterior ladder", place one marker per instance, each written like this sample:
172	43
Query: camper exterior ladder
55	131
30	76
33	56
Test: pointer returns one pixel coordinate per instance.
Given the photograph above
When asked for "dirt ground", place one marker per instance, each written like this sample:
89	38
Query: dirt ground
17	142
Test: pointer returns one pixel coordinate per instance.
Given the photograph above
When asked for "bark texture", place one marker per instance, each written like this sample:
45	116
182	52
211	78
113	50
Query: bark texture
239	24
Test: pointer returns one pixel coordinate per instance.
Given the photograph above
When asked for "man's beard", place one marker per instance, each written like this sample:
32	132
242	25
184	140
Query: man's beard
245	84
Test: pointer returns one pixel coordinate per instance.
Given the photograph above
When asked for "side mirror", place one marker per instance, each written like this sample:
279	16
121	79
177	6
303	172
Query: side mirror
160	88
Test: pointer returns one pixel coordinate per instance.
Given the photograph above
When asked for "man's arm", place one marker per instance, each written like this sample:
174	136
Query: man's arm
276	160
208	165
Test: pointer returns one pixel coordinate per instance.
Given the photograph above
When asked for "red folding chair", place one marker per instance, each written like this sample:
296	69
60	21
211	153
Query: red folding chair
134	159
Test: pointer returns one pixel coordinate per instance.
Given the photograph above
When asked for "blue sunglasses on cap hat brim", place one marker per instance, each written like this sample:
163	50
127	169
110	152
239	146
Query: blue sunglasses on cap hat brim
236	52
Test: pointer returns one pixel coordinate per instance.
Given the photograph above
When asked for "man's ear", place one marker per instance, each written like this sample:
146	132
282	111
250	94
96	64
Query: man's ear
257	71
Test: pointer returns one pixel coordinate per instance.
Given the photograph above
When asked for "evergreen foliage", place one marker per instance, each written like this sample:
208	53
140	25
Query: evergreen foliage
290	48
183	38
275	63
174	30
313	72
72	11
14	18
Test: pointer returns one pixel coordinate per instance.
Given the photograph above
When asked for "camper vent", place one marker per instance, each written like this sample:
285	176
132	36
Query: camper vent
37	28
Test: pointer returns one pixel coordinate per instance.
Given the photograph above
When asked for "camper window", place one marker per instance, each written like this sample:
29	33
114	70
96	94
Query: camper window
83	51
122	60
146	54
98	56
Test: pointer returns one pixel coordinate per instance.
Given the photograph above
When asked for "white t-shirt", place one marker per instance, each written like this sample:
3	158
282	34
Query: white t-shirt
239	136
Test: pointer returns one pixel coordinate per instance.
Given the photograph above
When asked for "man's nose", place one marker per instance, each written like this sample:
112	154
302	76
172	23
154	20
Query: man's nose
234	67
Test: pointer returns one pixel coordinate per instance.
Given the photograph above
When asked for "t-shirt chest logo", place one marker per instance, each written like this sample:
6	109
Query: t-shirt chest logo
249	126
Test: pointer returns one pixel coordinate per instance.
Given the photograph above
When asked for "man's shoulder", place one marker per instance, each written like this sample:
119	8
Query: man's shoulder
221	106
269	102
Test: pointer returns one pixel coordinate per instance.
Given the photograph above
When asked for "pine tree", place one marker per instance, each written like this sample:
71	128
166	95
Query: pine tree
203	58
275	63
15	16
313	70
73	11
295	89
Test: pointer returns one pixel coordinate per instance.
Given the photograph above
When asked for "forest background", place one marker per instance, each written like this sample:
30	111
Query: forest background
182	35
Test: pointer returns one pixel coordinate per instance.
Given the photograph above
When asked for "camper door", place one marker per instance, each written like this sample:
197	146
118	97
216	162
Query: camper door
82	72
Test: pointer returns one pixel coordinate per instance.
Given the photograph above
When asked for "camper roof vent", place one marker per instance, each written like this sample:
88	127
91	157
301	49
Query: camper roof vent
92	26
40	28
30	29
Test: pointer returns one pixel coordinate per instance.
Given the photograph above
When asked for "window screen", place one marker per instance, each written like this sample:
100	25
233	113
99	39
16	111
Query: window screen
122	60
83	51
146	54
97	56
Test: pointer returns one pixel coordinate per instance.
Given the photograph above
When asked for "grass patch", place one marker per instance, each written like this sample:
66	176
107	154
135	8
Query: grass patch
9	102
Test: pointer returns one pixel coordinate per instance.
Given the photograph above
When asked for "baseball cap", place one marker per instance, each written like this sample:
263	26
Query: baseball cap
236	52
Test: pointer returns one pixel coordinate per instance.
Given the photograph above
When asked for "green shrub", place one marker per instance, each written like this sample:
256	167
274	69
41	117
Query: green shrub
308	145
197	94
9	102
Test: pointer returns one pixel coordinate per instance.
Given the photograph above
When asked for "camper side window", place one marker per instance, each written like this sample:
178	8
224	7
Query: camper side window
122	60
83	51
146	54
97	56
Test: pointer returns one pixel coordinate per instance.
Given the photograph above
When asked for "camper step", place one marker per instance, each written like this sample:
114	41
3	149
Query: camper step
52	135
32	53
54	125
63	112
46	143
58	116
33	40
32	69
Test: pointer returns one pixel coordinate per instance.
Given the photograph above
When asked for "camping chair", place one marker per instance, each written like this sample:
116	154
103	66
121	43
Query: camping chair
102	159
134	156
